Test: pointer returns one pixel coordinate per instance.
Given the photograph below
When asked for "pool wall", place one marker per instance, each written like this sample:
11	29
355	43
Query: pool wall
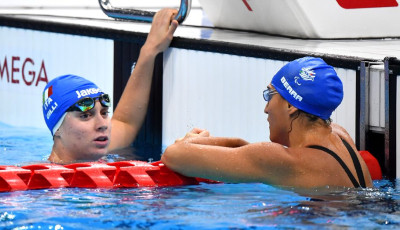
199	82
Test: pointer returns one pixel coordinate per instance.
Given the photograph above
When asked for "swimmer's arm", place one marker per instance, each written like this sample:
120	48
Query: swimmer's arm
257	162
132	107
202	137
230	142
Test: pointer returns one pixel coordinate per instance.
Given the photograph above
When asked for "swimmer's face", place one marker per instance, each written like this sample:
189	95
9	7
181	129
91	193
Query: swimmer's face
278	118
85	135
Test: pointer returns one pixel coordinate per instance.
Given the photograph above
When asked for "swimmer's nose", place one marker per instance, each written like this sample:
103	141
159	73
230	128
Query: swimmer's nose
103	128
266	108
102	123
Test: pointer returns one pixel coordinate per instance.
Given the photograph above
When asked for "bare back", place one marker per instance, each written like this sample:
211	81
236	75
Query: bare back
316	168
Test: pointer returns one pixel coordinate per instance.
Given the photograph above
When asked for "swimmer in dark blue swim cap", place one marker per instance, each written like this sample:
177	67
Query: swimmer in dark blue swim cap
306	150
76	110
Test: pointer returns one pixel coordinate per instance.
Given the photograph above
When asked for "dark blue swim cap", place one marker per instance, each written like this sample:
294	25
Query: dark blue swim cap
61	93
311	85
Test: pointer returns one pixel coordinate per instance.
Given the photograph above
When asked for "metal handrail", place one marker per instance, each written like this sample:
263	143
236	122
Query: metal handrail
141	15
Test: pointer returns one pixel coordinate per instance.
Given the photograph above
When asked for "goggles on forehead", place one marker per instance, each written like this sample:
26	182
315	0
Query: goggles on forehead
88	103
268	94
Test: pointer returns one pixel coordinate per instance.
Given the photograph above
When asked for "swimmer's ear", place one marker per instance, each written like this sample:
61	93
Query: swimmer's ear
292	109
57	134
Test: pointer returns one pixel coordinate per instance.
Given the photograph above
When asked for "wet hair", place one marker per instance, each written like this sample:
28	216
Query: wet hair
311	119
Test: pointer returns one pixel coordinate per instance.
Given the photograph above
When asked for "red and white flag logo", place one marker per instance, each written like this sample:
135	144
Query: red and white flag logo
47	93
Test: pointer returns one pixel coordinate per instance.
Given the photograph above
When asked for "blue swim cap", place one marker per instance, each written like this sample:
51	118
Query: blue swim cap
311	85
61	93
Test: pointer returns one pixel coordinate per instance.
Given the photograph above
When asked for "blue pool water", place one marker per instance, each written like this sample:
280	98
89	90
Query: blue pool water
205	206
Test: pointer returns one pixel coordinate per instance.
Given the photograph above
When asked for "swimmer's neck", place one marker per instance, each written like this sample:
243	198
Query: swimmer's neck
54	158
59	159
302	135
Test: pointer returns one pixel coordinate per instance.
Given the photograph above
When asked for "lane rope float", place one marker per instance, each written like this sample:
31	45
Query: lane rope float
123	174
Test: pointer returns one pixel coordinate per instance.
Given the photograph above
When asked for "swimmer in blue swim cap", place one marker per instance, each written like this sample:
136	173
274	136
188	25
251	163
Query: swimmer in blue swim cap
306	150
76	110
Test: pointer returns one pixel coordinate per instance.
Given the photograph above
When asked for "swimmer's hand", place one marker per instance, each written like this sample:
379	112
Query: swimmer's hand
196	132
162	31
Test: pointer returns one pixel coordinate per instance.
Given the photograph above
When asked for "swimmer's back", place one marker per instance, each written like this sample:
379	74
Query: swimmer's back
317	168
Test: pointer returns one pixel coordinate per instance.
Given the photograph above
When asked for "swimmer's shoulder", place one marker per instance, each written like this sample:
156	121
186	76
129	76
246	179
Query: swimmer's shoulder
340	131
343	134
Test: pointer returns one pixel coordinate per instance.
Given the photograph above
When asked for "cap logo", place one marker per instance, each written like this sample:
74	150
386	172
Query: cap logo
307	74
291	91
48	102
47	94
86	92
51	110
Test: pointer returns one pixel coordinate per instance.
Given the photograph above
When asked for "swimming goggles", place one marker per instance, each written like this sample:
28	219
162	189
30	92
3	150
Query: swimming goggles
88	103
268	94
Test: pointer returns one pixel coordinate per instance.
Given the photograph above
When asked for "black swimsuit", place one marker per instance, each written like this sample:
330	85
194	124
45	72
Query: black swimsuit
356	163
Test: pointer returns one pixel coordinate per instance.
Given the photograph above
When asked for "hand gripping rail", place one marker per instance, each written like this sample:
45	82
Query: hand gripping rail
140	15
124	174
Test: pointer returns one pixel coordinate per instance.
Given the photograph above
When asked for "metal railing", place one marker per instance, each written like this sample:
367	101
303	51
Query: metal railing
141	15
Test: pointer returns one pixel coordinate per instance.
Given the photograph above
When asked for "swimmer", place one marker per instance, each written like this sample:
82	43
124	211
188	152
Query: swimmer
77	112
306	149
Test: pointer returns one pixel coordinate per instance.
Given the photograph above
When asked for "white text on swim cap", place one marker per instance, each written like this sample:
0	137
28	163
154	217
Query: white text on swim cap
86	92
47	102
291	91
51	110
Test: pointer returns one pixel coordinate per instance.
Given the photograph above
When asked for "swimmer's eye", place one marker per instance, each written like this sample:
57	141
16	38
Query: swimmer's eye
267	94
105	113
84	115
88	103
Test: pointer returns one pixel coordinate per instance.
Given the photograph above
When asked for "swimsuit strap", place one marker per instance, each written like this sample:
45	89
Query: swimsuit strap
344	166
356	163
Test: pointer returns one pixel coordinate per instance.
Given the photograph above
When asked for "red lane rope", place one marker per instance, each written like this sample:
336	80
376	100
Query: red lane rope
124	174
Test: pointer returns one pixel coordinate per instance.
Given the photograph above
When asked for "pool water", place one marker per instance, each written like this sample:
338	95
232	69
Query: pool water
204	206
23	145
